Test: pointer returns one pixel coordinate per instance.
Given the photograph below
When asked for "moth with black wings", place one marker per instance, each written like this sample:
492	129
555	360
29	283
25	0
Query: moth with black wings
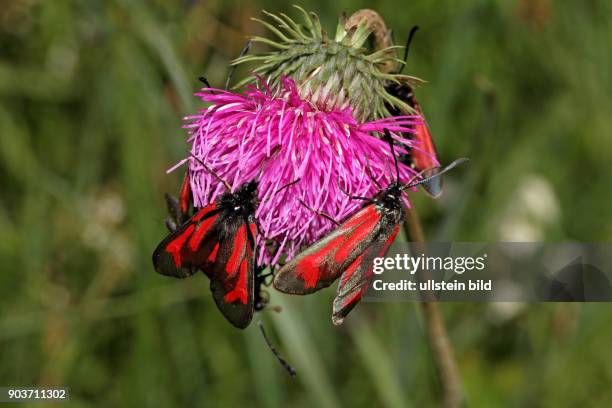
219	240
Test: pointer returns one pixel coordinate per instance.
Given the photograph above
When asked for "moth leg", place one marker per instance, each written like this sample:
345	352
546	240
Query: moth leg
321	213
290	370
372	175
262	298
352	196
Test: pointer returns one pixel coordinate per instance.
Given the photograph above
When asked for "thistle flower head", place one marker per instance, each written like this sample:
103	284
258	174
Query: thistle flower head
278	138
309	120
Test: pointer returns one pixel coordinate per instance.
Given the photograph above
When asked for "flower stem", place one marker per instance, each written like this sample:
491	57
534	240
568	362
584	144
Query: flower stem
439	343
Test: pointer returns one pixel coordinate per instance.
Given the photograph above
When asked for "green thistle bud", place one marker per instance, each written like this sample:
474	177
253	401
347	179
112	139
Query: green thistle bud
334	72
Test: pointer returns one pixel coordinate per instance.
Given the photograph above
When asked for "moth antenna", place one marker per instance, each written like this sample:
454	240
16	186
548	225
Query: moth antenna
208	85
271	196
211	171
287	185
441	172
230	74
290	370
389	139
351	196
369	169
407	47
321	213
204	81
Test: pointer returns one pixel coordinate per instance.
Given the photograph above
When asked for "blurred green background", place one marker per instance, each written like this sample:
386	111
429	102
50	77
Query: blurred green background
91	99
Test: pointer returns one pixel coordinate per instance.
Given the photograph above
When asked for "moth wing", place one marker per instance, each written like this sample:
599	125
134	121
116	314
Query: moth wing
356	278
423	157
186	249
232	272
172	221
320	265
184	201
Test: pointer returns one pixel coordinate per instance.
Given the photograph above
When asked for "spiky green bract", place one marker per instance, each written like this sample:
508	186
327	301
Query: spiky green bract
331	73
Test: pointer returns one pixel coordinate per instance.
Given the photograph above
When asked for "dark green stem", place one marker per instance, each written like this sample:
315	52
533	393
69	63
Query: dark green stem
439	343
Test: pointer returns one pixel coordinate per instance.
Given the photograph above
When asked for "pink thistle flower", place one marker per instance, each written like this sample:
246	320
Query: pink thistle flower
280	137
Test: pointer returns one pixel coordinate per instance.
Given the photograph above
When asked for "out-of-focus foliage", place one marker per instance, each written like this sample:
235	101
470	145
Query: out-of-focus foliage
91	99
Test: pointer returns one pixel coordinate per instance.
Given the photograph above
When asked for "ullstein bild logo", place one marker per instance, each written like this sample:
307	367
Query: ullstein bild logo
432	285
505	272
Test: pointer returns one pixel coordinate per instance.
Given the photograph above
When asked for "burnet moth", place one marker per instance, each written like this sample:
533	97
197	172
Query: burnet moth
218	239
179	214
421	159
348	252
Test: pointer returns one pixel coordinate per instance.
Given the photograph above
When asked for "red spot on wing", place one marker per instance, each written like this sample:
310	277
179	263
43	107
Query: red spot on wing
353	298
423	157
176	245
253	229
346	276
240	290
351	269
213	253
240	241
185	194
202	212
202	229
309	268
363	214
359	233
